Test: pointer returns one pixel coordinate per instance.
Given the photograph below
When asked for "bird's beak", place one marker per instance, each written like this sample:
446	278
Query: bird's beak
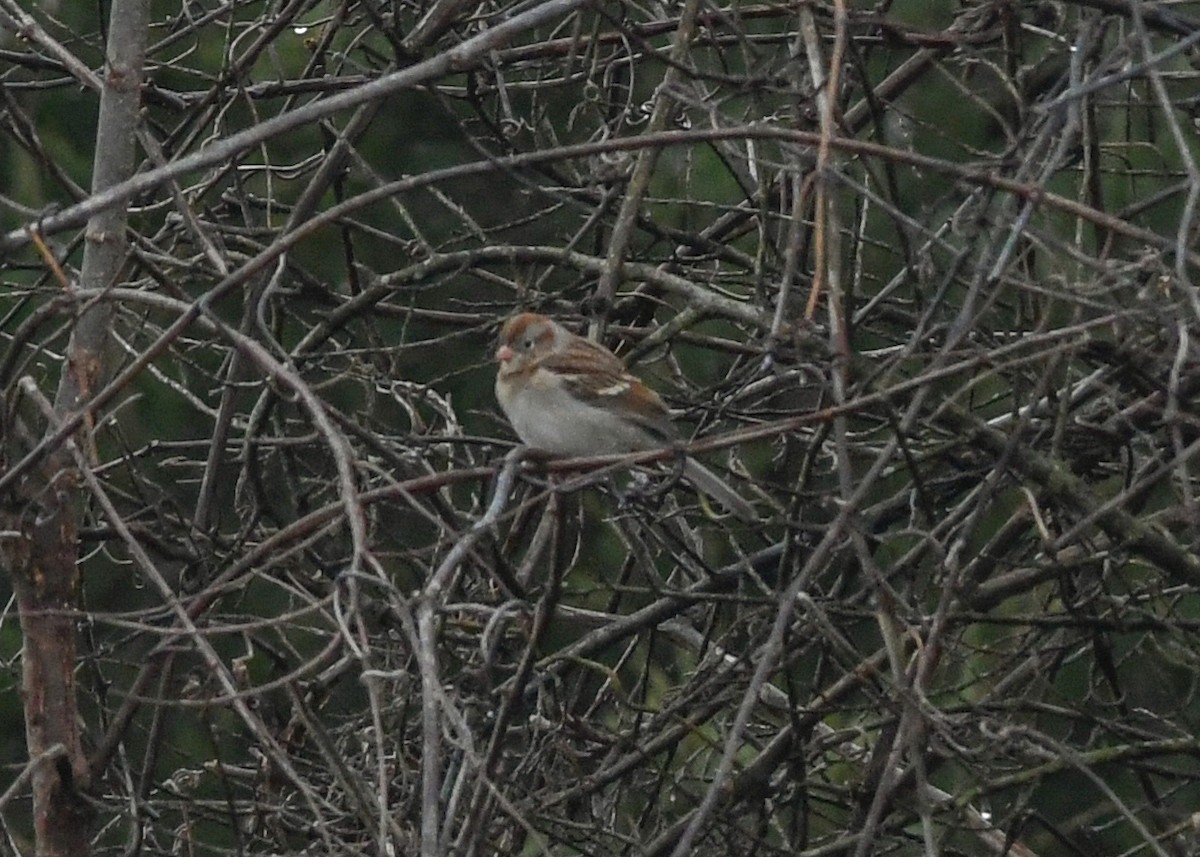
504	353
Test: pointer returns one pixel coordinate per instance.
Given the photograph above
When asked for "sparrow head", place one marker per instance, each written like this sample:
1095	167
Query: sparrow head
526	337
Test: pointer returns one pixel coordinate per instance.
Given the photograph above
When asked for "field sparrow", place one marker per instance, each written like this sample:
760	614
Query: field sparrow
569	396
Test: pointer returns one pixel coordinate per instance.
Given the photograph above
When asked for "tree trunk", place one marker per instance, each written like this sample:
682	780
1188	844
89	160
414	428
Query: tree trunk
41	516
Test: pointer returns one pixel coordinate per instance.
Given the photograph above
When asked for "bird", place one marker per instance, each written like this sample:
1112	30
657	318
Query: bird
569	396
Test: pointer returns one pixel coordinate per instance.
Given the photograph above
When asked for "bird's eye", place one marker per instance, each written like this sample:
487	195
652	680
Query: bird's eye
528	343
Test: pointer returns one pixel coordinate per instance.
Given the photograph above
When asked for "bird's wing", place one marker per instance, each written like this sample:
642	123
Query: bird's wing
597	377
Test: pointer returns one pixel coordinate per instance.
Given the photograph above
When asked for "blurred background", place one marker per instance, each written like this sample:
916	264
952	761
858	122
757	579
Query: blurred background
919	275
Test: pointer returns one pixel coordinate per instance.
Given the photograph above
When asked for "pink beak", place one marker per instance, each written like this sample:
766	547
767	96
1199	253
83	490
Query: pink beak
504	353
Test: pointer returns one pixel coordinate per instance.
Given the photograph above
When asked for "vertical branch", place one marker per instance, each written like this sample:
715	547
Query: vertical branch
827	83
639	181
41	517
104	252
39	555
